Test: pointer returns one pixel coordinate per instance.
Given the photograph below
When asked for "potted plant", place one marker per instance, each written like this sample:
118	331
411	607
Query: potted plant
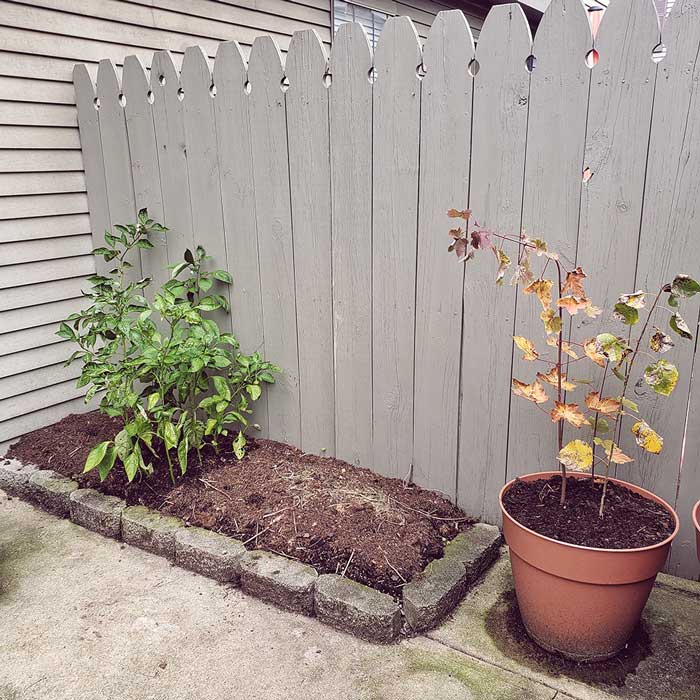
585	548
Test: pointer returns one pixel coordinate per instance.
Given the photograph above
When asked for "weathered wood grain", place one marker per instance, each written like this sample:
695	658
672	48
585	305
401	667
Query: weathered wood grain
309	178
350	106
396	125
501	97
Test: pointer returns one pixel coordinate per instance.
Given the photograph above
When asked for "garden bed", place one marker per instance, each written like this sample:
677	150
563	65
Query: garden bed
337	517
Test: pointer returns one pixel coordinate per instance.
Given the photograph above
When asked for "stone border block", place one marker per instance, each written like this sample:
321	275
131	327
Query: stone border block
148	529
434	593
477	549
356	608
51	491
14	477
286	583
209	553
97	512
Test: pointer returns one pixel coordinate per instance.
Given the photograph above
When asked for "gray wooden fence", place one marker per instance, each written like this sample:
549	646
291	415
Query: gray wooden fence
322	183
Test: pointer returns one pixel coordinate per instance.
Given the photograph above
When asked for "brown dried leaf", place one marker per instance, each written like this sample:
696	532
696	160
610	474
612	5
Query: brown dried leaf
532	392
607	405
459	214
572	303
573	284
568	412
565	347
527	346
589	347
552	377
543	290
551	320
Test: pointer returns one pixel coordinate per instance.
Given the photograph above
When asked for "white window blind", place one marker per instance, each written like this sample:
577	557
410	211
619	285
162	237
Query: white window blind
372	20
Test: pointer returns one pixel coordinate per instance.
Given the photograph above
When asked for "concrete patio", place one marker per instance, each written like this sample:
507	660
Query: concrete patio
83	617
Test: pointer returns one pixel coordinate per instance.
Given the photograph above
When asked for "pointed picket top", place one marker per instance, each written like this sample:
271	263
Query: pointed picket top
108	87
398	48
85	95
164	75
230	67
134	78
195	76
621	21
265	62
564	23
450	36
350	51
305	55
505	31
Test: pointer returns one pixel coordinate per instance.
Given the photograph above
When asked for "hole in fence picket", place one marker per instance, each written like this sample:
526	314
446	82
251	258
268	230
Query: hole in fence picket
284	84
122	99
420	71
592	58
587	174
212	90
658	53
372	75
473	68
161	79
180	94
327	79
150	97
247	87
530	63
96	103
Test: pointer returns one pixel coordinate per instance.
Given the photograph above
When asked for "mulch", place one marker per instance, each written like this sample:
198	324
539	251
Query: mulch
322	511
629	520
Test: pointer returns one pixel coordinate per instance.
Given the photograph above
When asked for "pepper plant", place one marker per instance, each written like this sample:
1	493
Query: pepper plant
164	367
614	351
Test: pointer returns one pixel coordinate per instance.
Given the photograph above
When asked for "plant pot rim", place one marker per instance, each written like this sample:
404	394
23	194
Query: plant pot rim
582	475
696	515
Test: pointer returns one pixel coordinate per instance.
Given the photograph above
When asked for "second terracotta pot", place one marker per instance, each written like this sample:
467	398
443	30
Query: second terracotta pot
696	522
581	602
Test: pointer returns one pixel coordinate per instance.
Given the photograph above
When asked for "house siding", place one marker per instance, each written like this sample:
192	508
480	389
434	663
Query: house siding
45	235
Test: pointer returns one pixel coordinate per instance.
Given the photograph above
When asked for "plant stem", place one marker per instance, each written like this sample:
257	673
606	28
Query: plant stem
597	415
560	424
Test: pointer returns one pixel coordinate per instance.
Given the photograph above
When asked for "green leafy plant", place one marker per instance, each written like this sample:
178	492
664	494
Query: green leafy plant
164	366
614	353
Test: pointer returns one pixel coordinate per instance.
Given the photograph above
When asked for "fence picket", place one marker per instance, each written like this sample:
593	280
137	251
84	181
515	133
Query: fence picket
203	165
238	201
553	166
445	123
501	96
115	152
350	106
668	245
268	131
144	163
309	176
396	122
93	163
172	155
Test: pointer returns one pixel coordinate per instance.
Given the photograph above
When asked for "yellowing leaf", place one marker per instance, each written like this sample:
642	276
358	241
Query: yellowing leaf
503	264
590	310
662	377
565	347
618	456
659	341
572	303
636	300
647	438
532	392
541	249
573	284
590	348
551	320
527	346
576	455
568	412
552	377
607	405
543	290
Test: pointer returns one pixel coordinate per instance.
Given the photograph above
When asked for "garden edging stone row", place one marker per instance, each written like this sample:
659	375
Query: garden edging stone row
284	582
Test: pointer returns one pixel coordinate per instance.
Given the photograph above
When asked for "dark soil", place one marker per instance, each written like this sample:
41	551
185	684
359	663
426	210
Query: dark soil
319	510
629	520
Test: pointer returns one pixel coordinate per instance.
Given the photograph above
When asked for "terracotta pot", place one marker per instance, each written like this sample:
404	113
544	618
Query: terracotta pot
696	522
582	602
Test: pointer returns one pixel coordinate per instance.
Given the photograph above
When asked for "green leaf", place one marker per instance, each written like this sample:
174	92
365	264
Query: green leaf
627	314
614	348
220	361
659	341
680	326
684	286
65	331
239	445
662	377
208	304
631	405
145	244
123	444
222	387
96	455
153	400
131	465
602	427
222	276
105	466
673	301
182	450
169	434
196	364
254	391
188	256
177	269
